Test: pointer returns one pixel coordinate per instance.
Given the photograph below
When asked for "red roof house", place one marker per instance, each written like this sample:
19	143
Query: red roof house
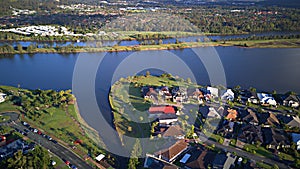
162	109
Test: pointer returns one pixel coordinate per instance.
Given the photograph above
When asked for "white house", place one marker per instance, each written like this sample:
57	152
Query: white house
213	113
292	101
265	98
2	97
227	95
214	92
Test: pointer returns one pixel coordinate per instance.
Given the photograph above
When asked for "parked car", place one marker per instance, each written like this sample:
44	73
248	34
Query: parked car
74	167
39	133
53	163
54	141
67	162
35	130
25	124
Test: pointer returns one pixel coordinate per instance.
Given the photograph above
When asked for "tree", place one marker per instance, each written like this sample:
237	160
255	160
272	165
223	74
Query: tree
148	74
136	152
188	80
275	166
19	47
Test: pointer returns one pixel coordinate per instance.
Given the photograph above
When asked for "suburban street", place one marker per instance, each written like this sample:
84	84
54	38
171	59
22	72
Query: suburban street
61	151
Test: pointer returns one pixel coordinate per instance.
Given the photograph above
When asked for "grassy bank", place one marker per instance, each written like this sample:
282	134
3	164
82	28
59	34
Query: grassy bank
278	43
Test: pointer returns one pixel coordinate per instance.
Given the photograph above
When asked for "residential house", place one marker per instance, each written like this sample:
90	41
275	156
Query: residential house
153	162
167	119
164	92
250	134
208	112
213	91
249	96
195	93
296	139
199	158
290	121
232	114
162	110
149	93
275	138
291	101
227	95
174	132
206	93
266	99
171	153
268	119
2	97
179	94
224	161
249	116
226	128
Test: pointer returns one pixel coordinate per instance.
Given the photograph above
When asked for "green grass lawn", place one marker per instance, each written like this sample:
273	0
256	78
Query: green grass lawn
264	165
285	156
59	162
7	106
4	118
259	150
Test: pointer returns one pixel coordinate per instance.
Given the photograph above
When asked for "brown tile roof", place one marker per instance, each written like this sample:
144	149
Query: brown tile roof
173	131
199	162
232	114
172	152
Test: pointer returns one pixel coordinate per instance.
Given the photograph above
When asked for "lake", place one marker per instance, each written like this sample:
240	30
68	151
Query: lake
265	69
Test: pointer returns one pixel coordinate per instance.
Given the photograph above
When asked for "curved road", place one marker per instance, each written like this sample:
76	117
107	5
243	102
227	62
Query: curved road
58	149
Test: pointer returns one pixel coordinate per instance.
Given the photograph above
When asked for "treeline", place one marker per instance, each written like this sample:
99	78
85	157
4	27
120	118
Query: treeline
271	37
37	158
9	49
221	19
148	36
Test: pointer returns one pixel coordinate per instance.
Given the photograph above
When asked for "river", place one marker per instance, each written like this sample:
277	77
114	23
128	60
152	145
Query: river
265	69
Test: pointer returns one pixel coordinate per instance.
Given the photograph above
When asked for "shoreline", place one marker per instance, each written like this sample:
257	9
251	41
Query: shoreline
276	43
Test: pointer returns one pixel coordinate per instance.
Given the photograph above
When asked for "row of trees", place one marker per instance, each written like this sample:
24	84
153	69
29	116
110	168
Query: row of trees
32	48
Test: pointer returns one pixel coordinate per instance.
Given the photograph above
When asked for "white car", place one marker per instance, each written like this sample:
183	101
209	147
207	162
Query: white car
35	130
53	163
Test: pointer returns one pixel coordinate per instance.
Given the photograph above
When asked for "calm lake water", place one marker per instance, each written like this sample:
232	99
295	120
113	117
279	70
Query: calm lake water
265	69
